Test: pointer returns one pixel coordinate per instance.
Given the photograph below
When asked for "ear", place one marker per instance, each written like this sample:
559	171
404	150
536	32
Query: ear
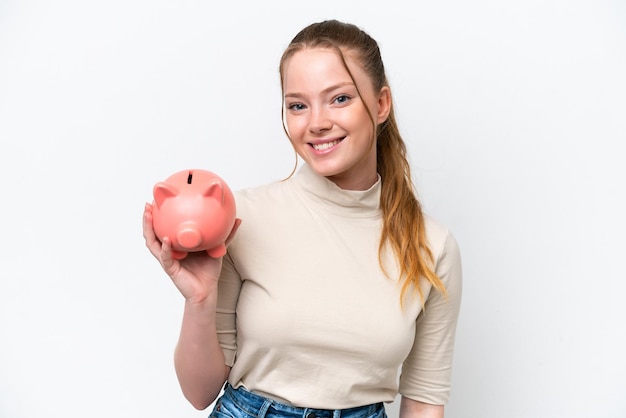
384	104
215	190
162	191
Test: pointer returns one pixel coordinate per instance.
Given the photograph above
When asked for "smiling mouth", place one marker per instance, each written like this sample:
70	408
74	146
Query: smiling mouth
325	145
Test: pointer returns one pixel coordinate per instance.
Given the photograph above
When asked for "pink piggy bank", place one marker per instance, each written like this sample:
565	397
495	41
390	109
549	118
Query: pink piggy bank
195	209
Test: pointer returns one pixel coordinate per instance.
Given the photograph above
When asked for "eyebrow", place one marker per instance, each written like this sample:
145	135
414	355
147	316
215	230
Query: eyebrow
326	90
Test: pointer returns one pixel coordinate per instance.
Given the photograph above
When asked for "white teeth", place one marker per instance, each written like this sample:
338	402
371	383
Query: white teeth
325	145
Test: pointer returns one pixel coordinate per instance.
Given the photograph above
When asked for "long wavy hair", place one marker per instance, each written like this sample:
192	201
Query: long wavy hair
403	220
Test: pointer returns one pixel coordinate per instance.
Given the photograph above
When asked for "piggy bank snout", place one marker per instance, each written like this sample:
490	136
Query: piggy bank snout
189	236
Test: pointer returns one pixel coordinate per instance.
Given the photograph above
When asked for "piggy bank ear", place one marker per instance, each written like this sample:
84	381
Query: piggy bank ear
215	190
162	191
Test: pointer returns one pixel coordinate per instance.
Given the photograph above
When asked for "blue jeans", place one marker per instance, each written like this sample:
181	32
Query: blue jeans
240	403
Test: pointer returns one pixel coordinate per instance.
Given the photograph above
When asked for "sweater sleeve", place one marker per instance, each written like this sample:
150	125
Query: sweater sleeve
427	372
229	287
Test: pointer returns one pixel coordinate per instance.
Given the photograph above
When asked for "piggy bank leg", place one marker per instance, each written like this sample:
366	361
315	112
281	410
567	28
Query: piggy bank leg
178	255
218	251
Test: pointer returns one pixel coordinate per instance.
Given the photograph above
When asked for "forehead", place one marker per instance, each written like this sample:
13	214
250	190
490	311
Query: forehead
320	63
312	55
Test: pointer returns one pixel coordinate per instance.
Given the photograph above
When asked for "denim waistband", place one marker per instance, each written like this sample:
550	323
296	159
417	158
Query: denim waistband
241	403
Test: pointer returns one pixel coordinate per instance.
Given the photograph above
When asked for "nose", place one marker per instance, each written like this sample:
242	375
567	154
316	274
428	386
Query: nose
320	120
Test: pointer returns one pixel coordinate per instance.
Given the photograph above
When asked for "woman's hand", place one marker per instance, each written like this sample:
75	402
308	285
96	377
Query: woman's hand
197	274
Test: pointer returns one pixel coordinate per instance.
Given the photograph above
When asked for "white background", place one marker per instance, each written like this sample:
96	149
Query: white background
515	117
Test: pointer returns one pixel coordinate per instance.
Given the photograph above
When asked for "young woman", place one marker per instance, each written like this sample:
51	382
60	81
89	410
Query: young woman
337	292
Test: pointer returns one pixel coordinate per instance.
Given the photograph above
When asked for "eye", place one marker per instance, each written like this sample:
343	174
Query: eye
296	107
342	99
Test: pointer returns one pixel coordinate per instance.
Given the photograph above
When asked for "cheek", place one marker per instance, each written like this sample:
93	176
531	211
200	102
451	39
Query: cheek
355	118
295	126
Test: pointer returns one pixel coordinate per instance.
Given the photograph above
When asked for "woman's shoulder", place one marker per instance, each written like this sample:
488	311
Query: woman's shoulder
435	229
260	192
439	237
447	257
262	198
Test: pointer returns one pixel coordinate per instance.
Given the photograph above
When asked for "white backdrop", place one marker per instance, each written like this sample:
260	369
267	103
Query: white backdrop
515	117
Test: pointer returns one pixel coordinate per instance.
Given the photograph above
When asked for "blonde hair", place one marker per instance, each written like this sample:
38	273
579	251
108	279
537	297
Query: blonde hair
403	220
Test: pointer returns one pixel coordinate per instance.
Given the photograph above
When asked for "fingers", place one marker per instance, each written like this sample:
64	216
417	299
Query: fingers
161	250
148	231
152	242
165	256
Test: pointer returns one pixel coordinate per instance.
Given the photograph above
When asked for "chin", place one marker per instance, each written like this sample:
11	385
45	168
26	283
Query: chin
323	169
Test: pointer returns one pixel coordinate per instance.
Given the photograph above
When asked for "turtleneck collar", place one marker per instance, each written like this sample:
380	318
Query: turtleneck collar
353	203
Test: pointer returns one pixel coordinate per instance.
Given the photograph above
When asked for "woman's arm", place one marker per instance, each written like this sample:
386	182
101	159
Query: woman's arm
415	409
198	359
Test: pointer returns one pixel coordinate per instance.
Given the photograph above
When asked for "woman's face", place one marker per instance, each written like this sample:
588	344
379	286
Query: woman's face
326	118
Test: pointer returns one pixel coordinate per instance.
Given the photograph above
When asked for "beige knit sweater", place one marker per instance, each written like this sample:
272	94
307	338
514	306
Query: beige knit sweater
307	317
